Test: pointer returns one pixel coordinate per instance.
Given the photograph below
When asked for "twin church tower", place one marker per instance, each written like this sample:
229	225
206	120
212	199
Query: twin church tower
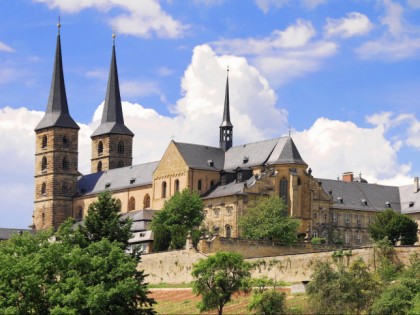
56	154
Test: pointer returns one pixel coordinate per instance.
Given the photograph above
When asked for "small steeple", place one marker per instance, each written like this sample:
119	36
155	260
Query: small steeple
226	127
57	113
112	116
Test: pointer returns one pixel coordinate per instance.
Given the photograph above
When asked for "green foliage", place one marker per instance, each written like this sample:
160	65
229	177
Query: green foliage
318	241
269	302
104	221
395	226
269	220
341	290
42	276
182	213
218	277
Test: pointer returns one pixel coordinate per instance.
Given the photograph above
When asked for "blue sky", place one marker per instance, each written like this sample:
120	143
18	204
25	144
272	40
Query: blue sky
343	75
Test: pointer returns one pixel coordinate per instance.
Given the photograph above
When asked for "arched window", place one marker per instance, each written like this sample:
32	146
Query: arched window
99	167
43	189
132	204
100	148
120	147
164	190
176	185
44	142
79	213
43	216
228	231
283	190
199	184
65	164
120	163
44	164
65	188
146	201
66	142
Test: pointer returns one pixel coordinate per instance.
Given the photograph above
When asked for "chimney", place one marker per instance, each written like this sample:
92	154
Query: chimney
348	177
416	184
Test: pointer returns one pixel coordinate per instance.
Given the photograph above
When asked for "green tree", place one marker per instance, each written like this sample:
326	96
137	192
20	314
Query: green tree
41	276
269	220
268	302
218	277
104	221
182	213
395	226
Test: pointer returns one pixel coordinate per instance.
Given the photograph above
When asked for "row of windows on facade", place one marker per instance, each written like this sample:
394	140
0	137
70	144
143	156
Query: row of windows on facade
176	187
64	164
347	236
120	147
217	211
99	165
64	141
347	218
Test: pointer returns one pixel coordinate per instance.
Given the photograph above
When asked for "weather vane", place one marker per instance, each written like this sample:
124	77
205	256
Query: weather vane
59	24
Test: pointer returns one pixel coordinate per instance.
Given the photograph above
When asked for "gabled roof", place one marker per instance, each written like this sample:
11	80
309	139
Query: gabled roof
285	152
199	156
353	194
230	189
115	179
410	200
57	113
112	117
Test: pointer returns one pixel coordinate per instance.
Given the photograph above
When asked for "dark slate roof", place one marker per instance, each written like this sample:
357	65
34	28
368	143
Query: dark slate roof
57	113
6	233
112	116
118	178
285	152
257	154
198	156
410	200
226	111
230	189
353	194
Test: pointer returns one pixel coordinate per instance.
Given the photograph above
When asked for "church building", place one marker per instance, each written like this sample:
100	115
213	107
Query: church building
229	178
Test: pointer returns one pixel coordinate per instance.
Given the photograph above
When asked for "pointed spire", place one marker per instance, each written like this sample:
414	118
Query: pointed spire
112	116
226	111
57	113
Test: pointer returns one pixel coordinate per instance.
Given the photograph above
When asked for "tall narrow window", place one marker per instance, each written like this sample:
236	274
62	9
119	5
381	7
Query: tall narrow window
132	204
120	147
283	190
146	201
228	231
79	213
120	163
44	164
100	148
44	142
65	164
164	190
99	167
43	189
176	185
66	142
199	184
64	188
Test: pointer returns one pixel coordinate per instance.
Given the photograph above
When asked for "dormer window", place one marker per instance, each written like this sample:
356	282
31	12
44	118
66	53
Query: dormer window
107	185
388	204
246	159
340	199
210	163
411	204
364	201
132	181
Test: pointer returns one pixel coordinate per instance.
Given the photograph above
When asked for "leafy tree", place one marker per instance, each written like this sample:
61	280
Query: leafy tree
341	291
218	277
182	213
40	276
395	226
104	221
268	302
269	220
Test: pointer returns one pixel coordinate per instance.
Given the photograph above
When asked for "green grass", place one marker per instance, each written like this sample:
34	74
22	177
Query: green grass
169	285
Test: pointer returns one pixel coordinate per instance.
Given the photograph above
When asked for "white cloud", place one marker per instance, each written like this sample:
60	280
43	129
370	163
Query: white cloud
284	54
312	4
140	18
414	3
165	72
6	48
97	74
266	5
399	41
136	88
355	24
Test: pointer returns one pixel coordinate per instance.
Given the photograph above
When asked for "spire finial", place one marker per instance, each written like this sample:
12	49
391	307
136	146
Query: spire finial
290	130
59	24
113	35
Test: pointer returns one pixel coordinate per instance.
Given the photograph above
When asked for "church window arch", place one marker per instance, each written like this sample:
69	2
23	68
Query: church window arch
99	167
65	164
228	231
44	142
120	147
100	148
66	142
44	189
164	189
120	163
283	190
44	164
132	204
199	184
79	213
146	201
176	185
